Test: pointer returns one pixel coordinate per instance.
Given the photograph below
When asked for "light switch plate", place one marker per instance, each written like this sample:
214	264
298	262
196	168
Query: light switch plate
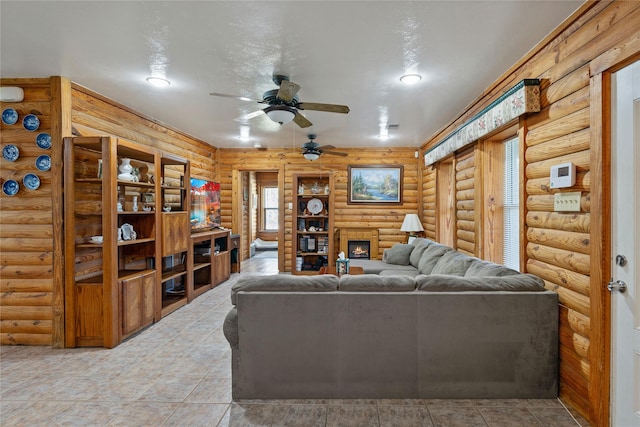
567	202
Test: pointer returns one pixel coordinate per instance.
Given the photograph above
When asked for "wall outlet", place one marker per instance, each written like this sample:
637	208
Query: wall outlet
567	202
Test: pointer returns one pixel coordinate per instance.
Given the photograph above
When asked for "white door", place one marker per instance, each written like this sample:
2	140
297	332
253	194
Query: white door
625	187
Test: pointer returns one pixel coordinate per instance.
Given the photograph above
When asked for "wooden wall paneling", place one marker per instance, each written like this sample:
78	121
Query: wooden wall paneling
465	180
30	250
387	219
566	249
429	202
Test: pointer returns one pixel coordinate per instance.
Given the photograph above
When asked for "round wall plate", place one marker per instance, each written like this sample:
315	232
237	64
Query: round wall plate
315	206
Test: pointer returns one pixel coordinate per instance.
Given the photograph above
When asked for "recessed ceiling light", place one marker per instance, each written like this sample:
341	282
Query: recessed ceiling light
410	79
158	81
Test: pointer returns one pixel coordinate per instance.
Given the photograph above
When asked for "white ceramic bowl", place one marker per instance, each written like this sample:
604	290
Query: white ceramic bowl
96	239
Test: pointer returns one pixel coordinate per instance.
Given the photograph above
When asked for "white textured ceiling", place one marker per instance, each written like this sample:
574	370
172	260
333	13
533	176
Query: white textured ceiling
342	52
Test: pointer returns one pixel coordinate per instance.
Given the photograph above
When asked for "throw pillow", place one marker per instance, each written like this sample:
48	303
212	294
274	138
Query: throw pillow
398	254
416	254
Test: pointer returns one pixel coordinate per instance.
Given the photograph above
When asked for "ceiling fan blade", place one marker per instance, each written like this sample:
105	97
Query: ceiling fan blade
325	147
288	90
301	120
329	108
241	98
249	116
335	153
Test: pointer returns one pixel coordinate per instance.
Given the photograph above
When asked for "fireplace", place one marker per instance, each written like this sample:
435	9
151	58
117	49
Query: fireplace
359	249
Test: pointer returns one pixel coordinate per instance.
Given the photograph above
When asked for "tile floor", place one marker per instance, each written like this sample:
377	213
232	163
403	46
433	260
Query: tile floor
177	373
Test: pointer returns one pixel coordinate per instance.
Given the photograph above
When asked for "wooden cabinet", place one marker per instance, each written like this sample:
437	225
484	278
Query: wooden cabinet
110	283
138	301
147	263
312	230
209	261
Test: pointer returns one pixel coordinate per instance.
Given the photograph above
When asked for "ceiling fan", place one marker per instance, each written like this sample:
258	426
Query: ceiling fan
311	150
283	103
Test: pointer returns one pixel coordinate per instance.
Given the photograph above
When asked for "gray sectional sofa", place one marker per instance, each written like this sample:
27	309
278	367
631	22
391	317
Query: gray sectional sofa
444	326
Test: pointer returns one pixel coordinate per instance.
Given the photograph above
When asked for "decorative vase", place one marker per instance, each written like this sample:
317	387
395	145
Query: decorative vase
125	169
135	203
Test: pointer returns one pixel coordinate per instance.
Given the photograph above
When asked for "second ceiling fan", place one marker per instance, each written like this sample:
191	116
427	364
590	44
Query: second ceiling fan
284	105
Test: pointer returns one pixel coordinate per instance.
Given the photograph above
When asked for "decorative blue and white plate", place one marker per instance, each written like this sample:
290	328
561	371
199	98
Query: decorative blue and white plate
10	187
43	140
9	116
43	162
31	122
10	152
31	181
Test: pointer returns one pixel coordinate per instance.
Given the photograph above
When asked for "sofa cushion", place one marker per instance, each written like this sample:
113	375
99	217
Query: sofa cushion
412	272
376	283
453	263
448	283
420	245
398	254
230	327
430	257
480	268
284	283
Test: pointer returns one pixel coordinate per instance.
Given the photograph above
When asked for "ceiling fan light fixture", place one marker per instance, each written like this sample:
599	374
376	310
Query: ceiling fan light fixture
410	79
280	113
311	155
158	81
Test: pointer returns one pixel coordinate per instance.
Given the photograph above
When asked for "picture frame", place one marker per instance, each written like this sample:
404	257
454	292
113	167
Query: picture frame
374	184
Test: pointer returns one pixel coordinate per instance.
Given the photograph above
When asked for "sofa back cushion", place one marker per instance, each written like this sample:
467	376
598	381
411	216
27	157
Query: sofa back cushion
453	263
284	283
431	256
480	268
376	283
398	254
448	283
420	245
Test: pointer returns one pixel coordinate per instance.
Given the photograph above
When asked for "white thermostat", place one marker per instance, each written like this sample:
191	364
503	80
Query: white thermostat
563	175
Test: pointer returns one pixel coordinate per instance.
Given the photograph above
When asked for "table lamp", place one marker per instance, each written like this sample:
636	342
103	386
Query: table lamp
411	225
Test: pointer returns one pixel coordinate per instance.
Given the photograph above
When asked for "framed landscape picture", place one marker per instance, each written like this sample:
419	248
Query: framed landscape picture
373	184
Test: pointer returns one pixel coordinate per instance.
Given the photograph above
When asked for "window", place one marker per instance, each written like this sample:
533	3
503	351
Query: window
511	242
270	208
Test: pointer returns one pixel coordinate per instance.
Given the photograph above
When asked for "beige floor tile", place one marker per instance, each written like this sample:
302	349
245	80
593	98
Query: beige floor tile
249	415
143	414
404	416
452	416
508	417
196	415
301	415
352	416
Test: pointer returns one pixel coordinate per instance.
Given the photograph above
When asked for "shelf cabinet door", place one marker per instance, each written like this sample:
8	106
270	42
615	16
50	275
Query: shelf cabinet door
175	232
137	302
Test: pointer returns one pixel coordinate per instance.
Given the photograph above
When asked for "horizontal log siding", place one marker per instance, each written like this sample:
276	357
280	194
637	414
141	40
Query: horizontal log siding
466	191
429	202
558	246
387	219
27	229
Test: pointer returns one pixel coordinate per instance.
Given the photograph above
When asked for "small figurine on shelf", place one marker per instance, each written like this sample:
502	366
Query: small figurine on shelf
135	204
326	189
120	204
315	189
301	189
166	207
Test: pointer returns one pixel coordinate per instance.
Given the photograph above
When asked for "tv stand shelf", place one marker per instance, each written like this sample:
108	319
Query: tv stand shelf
208	267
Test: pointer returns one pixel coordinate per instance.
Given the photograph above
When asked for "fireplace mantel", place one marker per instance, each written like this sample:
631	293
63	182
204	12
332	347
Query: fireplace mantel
370	234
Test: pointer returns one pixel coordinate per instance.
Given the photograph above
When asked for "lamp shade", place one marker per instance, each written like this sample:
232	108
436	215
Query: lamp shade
311	155
280	113
411	223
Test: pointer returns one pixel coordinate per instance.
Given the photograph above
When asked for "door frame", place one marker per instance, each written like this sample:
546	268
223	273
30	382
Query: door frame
601	70
237	214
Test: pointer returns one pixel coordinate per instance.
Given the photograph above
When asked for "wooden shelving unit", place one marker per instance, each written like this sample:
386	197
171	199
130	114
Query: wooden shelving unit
312	230
110	288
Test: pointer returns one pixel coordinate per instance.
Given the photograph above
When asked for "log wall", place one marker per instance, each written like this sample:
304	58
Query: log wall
466	202
566	249
30	224
31	229
387	219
